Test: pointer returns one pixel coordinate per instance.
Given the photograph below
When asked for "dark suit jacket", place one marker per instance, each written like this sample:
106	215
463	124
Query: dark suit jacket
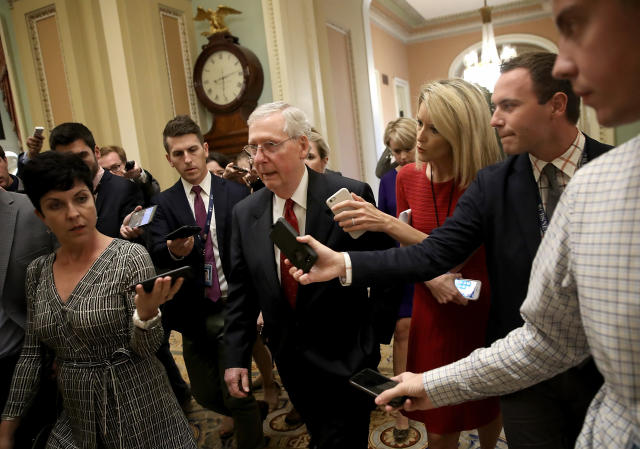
330	329
24	237
117	197
499	210
188	309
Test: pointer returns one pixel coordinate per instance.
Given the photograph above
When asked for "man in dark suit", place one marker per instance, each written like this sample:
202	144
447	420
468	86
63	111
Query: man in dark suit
196	311
24	238
115	196
507	209
319	335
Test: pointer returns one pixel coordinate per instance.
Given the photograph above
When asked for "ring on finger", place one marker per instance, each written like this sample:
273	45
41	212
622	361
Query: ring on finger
353	220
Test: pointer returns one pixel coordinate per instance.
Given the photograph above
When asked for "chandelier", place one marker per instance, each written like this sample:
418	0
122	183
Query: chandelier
486	71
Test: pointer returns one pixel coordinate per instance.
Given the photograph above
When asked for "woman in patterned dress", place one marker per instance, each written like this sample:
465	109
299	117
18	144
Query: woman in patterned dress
454	141
115	392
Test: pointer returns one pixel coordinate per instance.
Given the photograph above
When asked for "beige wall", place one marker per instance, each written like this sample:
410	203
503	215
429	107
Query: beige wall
430	60
391	58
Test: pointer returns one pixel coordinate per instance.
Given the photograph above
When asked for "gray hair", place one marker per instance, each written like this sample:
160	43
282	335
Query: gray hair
296	123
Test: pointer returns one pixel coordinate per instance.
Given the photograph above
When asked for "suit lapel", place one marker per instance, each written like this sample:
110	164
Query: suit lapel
7	229
319	222
179	200
262	245
100	191
523	202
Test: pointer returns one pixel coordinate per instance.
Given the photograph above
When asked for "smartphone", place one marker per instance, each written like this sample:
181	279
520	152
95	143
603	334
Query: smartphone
147	284
183	232
405	216
338	197
468	288
238	168
129	165
375	383
143	217
299	254
38	130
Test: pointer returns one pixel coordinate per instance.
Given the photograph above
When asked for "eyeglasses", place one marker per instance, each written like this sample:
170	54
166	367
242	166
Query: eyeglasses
115	168
267	147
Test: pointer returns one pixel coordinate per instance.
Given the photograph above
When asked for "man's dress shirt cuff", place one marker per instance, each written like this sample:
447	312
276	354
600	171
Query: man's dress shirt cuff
346	280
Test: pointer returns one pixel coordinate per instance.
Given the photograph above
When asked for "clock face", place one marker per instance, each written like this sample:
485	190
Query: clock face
223	77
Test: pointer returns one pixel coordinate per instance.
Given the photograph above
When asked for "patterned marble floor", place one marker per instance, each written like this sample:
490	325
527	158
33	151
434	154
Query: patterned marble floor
205	423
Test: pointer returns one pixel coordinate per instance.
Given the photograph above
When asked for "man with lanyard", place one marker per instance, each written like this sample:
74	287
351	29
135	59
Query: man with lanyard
508	208
198	198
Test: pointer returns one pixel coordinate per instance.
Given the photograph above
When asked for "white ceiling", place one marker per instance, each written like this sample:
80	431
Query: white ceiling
432	9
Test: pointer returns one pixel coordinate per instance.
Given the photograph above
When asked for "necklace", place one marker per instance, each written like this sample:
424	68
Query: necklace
435	203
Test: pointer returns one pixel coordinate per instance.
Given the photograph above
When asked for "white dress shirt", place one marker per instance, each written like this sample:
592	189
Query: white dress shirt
299	198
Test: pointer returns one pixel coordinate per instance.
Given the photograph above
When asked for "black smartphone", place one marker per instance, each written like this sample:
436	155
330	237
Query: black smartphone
147	284
243	170
129	165
143	217
375	383
299	254
183	232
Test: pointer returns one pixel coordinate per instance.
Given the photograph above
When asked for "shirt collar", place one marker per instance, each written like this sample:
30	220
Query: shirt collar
299	195
205	185
97	178
568	162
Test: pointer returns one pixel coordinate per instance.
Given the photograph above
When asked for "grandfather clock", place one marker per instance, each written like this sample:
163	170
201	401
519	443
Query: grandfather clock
228	80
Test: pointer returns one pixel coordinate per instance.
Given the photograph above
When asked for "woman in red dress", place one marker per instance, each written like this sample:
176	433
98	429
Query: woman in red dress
454	141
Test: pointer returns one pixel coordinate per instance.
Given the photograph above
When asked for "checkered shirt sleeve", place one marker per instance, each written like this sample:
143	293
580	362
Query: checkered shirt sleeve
582	299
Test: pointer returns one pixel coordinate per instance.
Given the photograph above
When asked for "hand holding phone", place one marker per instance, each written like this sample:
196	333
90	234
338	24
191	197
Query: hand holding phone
374	383
338	197
38	131
299	254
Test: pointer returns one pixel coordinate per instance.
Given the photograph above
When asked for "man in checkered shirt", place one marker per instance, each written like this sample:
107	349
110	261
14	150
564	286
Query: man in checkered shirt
583	296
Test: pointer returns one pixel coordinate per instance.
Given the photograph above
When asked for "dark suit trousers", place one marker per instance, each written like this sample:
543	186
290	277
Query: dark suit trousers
178	385
336	414
550	415
204	360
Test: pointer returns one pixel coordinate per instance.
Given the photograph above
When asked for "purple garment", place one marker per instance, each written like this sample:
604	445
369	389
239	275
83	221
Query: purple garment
387	204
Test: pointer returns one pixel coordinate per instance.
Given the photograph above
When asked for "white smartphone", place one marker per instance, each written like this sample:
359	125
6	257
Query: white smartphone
338	197
38	130
405	216
468	288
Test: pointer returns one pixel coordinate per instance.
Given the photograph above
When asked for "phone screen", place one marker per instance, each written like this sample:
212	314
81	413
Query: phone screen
142	217
467	288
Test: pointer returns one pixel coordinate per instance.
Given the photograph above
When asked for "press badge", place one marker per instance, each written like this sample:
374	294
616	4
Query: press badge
208	274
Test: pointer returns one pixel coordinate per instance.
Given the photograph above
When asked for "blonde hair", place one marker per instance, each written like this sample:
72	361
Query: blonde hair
403	130
460	113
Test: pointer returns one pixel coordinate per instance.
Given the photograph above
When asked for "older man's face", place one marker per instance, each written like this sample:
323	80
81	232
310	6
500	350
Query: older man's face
598	54
280	169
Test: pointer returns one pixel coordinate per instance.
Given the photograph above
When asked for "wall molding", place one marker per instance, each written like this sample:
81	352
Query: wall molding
32	25
273	49
186	59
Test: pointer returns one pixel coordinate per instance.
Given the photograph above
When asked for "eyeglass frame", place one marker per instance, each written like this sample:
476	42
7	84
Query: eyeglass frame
274	147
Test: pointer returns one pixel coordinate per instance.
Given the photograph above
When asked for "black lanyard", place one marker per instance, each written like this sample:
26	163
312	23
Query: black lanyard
435	203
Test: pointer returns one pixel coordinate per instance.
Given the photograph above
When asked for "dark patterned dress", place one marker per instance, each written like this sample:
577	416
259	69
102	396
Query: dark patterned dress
115	392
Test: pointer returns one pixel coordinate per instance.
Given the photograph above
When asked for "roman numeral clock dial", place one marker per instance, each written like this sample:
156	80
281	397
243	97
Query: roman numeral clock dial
228	81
